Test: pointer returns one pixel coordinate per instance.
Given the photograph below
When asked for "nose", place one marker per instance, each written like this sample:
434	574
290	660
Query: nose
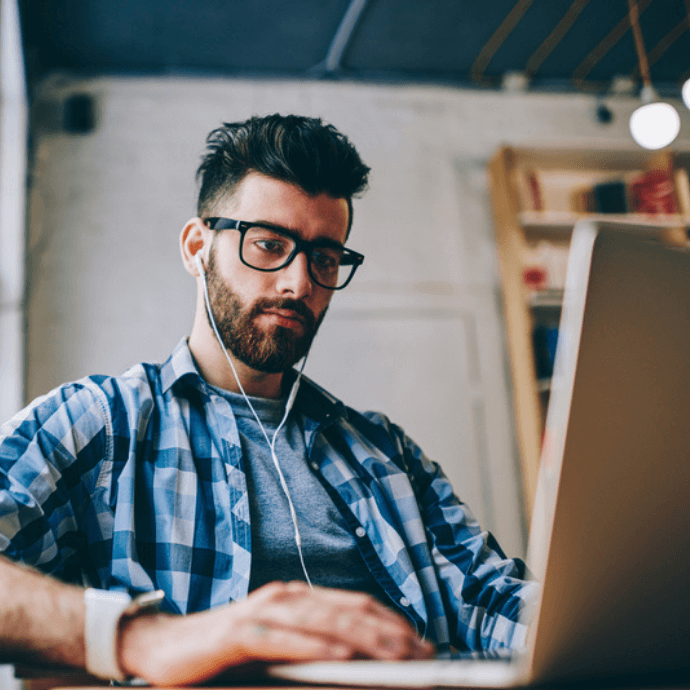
294	279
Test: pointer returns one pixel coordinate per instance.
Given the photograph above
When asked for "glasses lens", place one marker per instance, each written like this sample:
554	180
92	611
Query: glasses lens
327	269
269	250
266	249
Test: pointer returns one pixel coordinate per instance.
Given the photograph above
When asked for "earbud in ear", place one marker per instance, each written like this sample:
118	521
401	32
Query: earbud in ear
199	264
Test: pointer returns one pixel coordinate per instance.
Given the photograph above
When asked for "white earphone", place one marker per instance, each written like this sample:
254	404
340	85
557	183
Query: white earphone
288	407
200	264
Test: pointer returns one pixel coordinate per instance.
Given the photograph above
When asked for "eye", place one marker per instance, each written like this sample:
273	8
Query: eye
273	246
265	241
325	259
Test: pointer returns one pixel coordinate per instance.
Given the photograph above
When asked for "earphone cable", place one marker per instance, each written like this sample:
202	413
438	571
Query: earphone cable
271	443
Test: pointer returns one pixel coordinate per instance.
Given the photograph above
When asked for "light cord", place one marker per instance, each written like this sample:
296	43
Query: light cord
634	14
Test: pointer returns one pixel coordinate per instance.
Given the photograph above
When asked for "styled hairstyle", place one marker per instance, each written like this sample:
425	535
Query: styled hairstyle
302	151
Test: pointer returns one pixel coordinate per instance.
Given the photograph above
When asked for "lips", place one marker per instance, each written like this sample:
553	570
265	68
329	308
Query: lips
286	315
286	312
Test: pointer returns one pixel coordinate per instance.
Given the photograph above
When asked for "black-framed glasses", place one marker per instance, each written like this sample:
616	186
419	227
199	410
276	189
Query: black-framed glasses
264	247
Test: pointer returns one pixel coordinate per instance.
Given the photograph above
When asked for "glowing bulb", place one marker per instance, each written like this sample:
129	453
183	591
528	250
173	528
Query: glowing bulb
685	93
654	125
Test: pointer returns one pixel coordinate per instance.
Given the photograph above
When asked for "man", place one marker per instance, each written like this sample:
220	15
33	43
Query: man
222	474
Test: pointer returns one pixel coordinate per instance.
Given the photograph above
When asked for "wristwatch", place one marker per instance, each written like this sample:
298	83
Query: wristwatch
104	611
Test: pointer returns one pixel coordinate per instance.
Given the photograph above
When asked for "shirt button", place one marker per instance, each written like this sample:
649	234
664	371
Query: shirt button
315	466
405	602
360	532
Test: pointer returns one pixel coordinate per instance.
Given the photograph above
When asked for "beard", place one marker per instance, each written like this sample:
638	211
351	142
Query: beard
271	350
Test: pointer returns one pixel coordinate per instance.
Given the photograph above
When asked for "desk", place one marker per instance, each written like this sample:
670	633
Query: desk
47	677
264	683
71	680
259	686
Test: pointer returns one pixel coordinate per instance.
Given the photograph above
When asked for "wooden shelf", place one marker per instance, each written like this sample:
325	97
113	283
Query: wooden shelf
548	299
524	178
563	221
544	385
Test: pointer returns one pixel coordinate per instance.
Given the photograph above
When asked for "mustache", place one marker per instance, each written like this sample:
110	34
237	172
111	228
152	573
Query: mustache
298	307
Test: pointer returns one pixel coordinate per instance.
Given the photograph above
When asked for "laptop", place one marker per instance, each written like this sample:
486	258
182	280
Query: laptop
610	534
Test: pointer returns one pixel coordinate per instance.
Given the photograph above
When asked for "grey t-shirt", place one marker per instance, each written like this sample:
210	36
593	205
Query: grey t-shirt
330	552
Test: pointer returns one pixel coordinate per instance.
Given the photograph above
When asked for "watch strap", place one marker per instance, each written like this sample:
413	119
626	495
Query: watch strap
103	612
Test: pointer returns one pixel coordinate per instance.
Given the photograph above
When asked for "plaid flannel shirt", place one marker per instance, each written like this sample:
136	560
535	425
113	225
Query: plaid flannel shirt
136	482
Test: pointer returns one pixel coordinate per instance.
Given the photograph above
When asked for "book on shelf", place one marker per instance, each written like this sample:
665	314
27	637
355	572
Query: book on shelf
544	342
544	266
660	189
611	196
556	190
653	192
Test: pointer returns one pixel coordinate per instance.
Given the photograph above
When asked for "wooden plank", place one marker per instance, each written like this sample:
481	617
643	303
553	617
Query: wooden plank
509	241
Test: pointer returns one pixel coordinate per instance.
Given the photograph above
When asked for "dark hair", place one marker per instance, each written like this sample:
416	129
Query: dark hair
299	150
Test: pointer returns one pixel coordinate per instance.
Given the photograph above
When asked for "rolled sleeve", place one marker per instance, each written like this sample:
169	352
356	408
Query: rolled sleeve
49	462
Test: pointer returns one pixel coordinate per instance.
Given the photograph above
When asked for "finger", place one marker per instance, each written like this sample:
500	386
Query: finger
358	599
370	635
354	619
375	637
281	644
357	603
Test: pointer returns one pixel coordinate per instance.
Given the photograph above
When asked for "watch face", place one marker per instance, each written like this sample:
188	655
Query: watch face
148	601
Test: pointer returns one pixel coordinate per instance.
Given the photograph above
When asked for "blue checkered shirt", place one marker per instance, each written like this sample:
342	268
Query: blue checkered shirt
137	482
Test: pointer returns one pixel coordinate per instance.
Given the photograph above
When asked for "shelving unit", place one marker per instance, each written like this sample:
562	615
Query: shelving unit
521	230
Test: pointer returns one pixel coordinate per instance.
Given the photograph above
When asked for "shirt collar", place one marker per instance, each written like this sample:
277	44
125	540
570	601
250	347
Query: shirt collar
178	366
312	400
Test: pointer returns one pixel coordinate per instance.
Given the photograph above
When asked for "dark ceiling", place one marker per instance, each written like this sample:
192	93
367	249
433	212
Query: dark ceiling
561	45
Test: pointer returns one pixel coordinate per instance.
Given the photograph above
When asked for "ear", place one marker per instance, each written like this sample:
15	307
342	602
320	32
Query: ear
194	238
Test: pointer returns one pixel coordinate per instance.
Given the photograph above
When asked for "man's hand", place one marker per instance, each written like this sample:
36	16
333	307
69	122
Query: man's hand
279	622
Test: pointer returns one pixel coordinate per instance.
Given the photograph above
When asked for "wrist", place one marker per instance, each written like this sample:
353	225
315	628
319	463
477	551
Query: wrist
139	644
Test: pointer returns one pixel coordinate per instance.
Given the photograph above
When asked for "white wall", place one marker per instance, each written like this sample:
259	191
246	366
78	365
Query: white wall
419	332
13	137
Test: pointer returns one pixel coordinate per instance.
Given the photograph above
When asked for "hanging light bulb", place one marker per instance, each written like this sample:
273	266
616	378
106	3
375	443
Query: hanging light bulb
685	93
654	124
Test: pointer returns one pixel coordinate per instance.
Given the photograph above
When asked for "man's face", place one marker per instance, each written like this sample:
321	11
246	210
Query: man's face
268	320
